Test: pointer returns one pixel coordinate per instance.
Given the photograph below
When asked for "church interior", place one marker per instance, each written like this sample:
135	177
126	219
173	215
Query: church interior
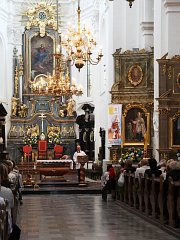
90	119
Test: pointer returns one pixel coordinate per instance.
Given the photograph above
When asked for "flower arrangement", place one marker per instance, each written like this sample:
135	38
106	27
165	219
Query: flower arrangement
31	140
133	154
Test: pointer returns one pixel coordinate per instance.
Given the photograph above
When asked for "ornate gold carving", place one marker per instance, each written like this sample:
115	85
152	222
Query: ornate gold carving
23	110
20	65
176	115
70	107
135	75
53	131
135	51
13	131
178	80
32	131
164	70
176	57
71	131
165	94
163	111
171	127
14	106
170	72
134	105
16	81
41	15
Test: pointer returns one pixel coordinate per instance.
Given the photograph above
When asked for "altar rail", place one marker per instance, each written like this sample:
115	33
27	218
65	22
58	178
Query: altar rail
153	197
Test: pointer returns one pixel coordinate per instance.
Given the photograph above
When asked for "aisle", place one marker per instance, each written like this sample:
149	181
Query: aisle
81	217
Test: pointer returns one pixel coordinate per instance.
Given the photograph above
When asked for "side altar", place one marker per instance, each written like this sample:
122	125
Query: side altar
42	99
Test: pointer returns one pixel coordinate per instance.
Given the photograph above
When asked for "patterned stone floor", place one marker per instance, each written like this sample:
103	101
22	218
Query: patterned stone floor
81	217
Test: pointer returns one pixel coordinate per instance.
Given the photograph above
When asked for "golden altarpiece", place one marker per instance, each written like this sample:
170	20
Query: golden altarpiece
133	88
169	106
34	109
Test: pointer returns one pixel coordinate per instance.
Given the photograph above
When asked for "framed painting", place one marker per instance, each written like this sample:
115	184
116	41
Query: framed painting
136	125
175	131
41	56
38	53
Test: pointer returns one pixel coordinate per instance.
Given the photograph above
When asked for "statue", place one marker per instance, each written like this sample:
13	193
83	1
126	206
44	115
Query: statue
64	131
70	107
61	113
21	131
13	131
33	106
53	131
71	131
14	106
32	131
23	110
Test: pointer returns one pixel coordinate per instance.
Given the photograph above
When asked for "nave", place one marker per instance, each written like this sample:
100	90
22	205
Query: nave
82	217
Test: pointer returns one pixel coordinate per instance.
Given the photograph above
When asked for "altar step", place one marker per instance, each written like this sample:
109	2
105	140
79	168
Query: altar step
54	187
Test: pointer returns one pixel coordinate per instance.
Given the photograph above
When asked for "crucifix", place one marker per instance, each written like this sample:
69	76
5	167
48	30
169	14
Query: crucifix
42	116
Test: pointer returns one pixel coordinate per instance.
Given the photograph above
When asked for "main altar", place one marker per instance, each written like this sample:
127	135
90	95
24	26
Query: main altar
41	106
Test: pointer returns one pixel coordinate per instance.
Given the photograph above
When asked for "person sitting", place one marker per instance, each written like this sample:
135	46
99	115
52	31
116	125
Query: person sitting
141	170
128	166
7	194
153	168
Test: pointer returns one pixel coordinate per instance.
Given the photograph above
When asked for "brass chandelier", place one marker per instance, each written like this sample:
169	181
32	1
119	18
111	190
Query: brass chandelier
80	44
130	2
59	84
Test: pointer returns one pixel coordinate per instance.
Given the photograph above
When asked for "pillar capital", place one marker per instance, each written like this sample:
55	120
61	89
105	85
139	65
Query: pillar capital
172	6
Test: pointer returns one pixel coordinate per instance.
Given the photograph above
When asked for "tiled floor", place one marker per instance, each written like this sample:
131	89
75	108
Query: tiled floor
81	217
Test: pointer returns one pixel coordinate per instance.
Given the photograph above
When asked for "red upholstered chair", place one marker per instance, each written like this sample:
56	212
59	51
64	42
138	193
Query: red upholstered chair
58	151
27	152
42	149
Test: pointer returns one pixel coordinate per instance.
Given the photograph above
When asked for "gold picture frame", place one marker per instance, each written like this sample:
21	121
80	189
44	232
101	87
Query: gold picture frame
174	135
34	44
135	75
132	115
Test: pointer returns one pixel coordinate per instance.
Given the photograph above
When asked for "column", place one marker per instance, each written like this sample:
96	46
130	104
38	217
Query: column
146	23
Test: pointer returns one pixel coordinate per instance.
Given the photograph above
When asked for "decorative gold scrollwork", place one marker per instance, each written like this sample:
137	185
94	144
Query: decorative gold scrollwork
164	70
170	72
41	15
163	111
178	80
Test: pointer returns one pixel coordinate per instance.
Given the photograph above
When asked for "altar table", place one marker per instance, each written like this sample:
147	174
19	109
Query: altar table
54	167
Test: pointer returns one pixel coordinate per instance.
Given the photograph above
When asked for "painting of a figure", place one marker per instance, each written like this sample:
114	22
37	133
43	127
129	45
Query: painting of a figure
136	125
176	132
41	56
114	124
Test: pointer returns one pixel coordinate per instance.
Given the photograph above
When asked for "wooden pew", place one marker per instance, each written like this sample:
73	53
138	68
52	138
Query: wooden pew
173	201
140	191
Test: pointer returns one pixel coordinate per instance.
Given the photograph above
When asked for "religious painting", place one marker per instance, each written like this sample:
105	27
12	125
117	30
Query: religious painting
41	56
175	130
136	126
135	75
114	124
176	80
